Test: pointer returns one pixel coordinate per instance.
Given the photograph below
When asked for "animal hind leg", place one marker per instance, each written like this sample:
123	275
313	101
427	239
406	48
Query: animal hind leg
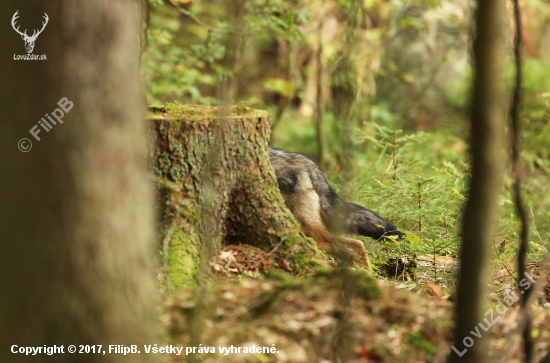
347	249
305	204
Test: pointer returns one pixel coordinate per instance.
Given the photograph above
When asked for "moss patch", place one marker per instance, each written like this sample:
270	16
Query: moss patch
177	111
183	260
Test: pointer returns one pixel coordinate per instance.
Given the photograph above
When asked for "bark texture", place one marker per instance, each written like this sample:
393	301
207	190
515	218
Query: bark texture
216	186
488	122
76	243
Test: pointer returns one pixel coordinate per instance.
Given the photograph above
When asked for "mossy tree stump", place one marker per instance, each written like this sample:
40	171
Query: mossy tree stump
216	185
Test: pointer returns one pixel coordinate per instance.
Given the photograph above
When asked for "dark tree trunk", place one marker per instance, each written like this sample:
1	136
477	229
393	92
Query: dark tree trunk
487	144
76	243
216	185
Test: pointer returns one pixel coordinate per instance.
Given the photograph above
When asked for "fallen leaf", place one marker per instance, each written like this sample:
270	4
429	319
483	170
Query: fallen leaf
284	265
438	291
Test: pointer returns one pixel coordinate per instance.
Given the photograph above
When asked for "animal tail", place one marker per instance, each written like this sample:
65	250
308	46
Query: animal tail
367	223
341	216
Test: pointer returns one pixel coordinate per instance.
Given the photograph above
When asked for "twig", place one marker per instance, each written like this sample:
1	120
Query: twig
510	273
535	225
320	99
276	247
422	278
534	291
192	16
518	199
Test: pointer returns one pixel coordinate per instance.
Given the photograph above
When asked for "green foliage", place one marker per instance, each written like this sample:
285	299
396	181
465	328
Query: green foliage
535	118
421	342
415	190
420	182
187	55
179	61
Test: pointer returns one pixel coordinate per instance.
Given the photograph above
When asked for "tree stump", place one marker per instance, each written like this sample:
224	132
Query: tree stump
216	185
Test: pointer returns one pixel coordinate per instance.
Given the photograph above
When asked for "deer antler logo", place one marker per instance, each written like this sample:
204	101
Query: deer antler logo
29	41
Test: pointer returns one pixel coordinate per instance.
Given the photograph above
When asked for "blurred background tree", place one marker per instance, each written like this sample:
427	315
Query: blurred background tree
77	213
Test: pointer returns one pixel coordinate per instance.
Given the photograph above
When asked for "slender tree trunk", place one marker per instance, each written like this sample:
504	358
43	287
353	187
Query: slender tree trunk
229	87
343	88
76	245
517	165
320	106
487	145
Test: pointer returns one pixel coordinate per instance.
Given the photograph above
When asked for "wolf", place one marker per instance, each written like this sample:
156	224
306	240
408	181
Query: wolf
321	212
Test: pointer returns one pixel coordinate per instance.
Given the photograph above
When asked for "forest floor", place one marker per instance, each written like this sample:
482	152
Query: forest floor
253	310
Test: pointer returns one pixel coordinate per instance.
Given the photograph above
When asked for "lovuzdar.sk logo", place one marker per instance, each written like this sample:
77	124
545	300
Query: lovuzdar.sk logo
29	40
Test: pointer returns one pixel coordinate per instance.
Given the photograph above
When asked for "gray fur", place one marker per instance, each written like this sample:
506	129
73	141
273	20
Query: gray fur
297	175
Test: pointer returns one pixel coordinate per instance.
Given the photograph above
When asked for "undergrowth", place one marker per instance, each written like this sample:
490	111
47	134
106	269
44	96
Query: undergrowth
419	181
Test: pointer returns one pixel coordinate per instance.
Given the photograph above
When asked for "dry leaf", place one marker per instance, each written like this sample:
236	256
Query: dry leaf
438	291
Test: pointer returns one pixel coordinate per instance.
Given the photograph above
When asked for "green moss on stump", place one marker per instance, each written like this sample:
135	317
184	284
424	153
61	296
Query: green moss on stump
183	259
179	112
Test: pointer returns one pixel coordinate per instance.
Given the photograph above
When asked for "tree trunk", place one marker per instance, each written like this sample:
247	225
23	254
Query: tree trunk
487	144
216	185
343	89
77	217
